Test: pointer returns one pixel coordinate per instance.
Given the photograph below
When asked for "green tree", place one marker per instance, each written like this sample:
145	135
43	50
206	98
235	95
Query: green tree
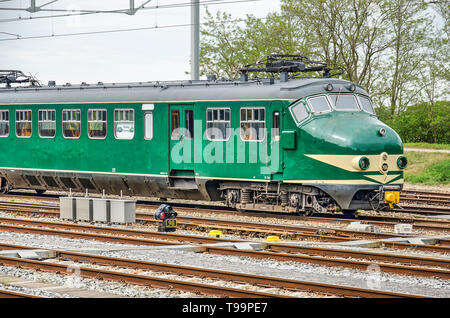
396	49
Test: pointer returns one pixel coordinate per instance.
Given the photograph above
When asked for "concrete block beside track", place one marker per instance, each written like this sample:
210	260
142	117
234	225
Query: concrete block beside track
402	228
29	254
357	226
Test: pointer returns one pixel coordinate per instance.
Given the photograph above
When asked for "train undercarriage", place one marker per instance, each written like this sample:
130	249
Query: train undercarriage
303	200
243	196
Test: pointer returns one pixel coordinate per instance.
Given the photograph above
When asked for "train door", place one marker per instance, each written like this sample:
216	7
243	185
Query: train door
181	138
274	122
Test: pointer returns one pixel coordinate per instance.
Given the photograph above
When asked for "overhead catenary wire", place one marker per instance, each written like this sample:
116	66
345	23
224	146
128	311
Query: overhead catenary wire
109	31
120	11
55	35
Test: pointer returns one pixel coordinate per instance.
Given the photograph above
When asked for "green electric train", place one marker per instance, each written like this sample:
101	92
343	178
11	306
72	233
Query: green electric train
282	144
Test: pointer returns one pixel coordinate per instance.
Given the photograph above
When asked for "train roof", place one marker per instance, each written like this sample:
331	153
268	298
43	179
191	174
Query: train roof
176	91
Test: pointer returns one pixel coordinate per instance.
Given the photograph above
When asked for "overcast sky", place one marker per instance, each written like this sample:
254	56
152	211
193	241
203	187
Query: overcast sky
161	54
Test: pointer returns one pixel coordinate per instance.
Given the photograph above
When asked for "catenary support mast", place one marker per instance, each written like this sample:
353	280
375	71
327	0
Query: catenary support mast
195	40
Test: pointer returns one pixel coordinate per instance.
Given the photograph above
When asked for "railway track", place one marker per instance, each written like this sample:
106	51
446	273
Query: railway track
135	279
419	223
292	253
442	209
424	197
419	212
257	280
243	227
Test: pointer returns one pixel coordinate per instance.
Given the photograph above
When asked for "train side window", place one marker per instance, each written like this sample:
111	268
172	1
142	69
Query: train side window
218	124
253	124
97	122
71	123
319	104
175	117
300	112
276	121
47	123
148	126
24	123
189	123
4	123
124	124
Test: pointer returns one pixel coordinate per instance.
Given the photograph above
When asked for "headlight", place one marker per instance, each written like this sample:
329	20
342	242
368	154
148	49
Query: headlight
361	163
382	131
402	162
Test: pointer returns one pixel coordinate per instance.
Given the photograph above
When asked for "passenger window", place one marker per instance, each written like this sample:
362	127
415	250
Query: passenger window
218	124
344	101
97	122
148	124
124	124
175	124
366	105
300	112
4	123
189	123
253	124
276	125
47	123
24	124
71	124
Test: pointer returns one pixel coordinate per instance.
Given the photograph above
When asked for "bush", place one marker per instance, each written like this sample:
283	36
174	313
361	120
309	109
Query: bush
438	173
421	122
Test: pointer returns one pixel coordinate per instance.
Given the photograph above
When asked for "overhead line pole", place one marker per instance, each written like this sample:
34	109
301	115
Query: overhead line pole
195	40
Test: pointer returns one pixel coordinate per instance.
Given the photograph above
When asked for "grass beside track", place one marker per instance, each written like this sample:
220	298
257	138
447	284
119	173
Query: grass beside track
424	145
428	168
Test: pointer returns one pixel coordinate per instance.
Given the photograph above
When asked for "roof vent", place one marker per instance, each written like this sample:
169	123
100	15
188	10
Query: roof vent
84	84
100	83
51	83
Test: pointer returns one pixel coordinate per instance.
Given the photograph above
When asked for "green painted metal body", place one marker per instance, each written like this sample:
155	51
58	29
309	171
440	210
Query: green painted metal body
338	133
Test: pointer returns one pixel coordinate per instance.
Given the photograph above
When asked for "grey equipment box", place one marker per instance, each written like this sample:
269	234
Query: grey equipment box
84	209
123	211
102	210
67	208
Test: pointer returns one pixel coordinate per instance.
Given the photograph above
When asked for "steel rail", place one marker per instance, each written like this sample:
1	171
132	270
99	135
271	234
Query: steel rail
327	261
13	294
139	237
420	223
257	228
291	284
426	193
389	257
232	276
142	280
287	230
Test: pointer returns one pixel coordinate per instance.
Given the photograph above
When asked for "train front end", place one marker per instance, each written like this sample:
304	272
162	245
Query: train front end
343	149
